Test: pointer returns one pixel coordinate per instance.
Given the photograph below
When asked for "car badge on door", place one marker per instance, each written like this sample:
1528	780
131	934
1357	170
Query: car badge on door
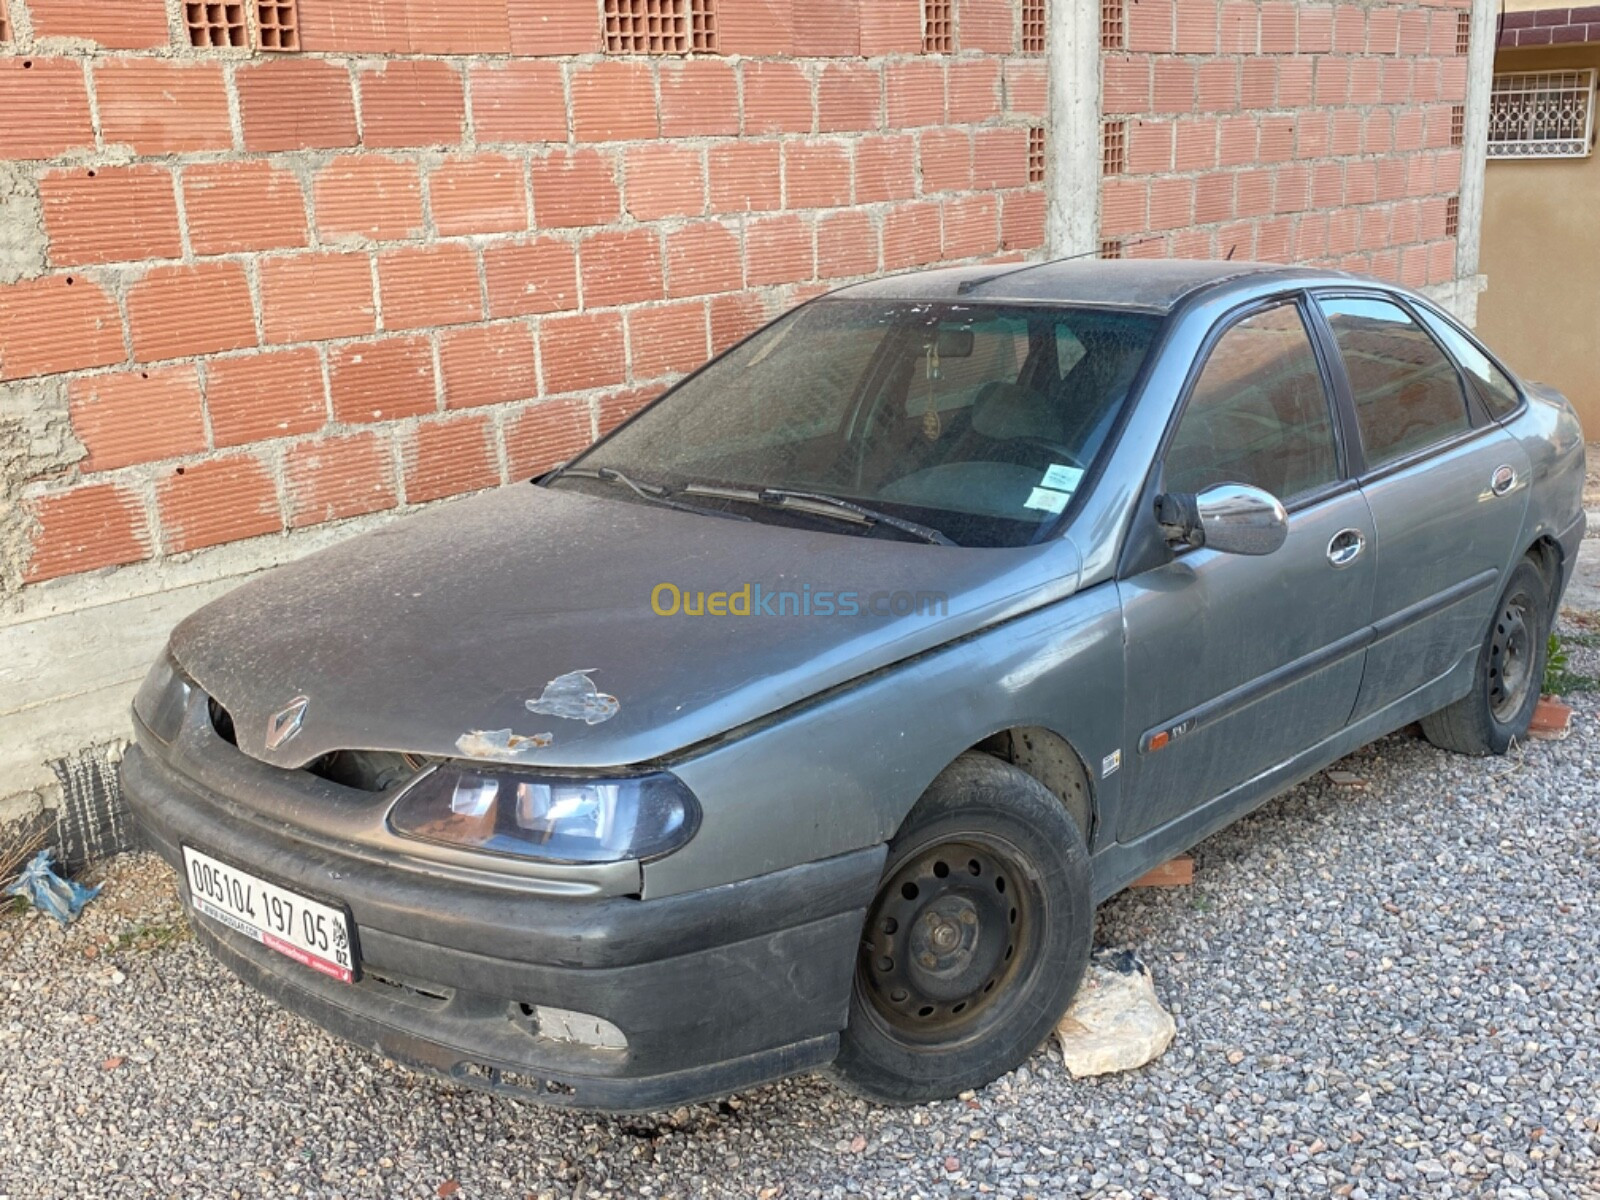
285	723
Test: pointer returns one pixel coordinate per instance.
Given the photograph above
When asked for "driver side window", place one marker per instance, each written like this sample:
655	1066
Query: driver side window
1258	413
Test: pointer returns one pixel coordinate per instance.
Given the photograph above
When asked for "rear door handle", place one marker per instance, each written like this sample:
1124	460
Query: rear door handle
1503	480
1346	547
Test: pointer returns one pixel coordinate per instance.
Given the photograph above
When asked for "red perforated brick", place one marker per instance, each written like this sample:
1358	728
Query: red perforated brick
412	102
1458	124
1113	25
488	364
778	250
667	339
5	23
448	457
368	196
518	101
1452	216
542	436
296	104
481	194
132	417
219	501
216	25
46	107
382	380
114	24
110	214
57	323
614	102
699	98
647	26
577	187
159	106
619	266
255	397
527	278
1463	32
847	244
703	26
277	25
1036	154
102	525
619	406
423	286
174	312
745	176
334	478
581	352
704	258
308	297
1033	26
938	27
1113	147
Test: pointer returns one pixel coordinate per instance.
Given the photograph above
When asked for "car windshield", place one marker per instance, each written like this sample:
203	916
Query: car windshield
968	422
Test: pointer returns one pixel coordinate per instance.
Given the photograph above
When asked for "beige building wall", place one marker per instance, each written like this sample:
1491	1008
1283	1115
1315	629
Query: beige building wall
1541	254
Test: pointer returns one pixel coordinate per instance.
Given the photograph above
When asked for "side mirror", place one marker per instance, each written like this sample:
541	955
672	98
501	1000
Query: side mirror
1230	517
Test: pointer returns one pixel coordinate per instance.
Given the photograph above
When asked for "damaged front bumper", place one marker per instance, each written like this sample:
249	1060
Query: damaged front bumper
607	1003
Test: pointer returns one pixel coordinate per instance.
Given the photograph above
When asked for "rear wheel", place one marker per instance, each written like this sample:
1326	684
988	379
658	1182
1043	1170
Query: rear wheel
976	940
1505	689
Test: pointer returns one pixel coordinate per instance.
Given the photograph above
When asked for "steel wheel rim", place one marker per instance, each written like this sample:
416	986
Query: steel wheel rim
949	938
1512	655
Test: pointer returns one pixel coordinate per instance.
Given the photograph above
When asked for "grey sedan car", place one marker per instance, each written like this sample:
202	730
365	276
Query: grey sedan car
803	721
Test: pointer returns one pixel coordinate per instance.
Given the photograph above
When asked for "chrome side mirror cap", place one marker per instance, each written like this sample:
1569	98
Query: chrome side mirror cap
1231	518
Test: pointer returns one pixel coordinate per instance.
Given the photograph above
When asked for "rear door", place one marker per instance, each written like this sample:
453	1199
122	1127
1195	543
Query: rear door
1447	487
1237	663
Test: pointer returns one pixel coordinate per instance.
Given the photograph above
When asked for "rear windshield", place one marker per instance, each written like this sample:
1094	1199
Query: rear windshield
979	421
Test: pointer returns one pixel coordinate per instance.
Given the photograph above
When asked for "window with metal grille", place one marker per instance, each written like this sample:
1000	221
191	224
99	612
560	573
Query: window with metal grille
1463	32
1110	248
216	25
1452	216
1036	154
938	27
277	25
1458	124
1113	147
1033	26
1112	25
1542	114
647	26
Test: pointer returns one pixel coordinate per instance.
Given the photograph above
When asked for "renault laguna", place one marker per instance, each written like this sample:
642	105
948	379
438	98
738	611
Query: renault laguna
802	722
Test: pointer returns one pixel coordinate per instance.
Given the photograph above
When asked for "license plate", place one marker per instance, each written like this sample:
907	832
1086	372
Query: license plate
314	934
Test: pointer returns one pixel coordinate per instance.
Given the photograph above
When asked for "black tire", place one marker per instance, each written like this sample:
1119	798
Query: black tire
976	942
1510	673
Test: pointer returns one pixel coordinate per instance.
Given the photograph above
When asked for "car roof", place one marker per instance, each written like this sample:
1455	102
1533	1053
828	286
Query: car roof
1155	285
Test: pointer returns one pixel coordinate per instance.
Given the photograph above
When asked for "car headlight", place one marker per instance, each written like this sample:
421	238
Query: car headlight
163	698
551	818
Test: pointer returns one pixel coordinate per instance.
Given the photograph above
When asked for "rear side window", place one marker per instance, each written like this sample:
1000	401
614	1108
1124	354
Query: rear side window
1499	393
1407	394
1258	413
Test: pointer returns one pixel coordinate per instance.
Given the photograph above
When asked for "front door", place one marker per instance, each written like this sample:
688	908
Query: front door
1237	663
1447	499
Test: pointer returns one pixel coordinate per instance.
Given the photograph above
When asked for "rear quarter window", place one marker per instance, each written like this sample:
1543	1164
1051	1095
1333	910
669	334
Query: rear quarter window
1499	394
1407	394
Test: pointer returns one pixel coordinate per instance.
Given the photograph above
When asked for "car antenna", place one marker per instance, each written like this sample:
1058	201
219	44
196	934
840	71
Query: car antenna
966	286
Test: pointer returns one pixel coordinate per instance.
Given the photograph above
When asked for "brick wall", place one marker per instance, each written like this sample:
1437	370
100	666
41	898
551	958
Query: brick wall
419	247
1318	133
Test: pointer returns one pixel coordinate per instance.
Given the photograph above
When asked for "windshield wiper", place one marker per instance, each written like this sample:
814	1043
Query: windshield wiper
819	504
656	493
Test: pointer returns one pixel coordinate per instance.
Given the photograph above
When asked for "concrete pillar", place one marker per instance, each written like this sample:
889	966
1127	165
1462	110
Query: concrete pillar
1480	74
1072	140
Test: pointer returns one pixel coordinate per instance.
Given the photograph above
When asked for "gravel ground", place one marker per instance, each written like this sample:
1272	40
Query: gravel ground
1390	989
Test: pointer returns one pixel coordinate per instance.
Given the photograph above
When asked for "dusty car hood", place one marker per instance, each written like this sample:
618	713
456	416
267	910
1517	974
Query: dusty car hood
434	634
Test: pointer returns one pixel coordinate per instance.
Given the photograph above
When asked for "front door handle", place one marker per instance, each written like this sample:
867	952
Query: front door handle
1503	480
1346	547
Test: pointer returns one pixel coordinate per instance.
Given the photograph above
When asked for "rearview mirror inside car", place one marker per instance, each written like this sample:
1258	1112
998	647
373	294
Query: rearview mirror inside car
955	343
1230	517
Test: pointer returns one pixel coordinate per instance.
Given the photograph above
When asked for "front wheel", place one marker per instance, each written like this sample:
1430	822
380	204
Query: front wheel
1510	674
976	940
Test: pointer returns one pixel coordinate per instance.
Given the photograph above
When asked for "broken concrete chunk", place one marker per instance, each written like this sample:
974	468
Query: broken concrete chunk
1116	1023
575	697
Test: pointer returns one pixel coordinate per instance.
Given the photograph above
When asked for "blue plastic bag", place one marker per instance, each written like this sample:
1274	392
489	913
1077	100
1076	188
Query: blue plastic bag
50	893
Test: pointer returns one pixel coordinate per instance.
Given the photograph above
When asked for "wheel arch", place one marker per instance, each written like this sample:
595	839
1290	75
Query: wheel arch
1051	759
1546	555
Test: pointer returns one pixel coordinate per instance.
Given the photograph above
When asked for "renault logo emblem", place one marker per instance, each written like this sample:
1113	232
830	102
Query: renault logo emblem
284	724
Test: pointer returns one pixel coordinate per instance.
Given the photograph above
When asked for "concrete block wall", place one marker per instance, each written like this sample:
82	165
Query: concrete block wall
1297	132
